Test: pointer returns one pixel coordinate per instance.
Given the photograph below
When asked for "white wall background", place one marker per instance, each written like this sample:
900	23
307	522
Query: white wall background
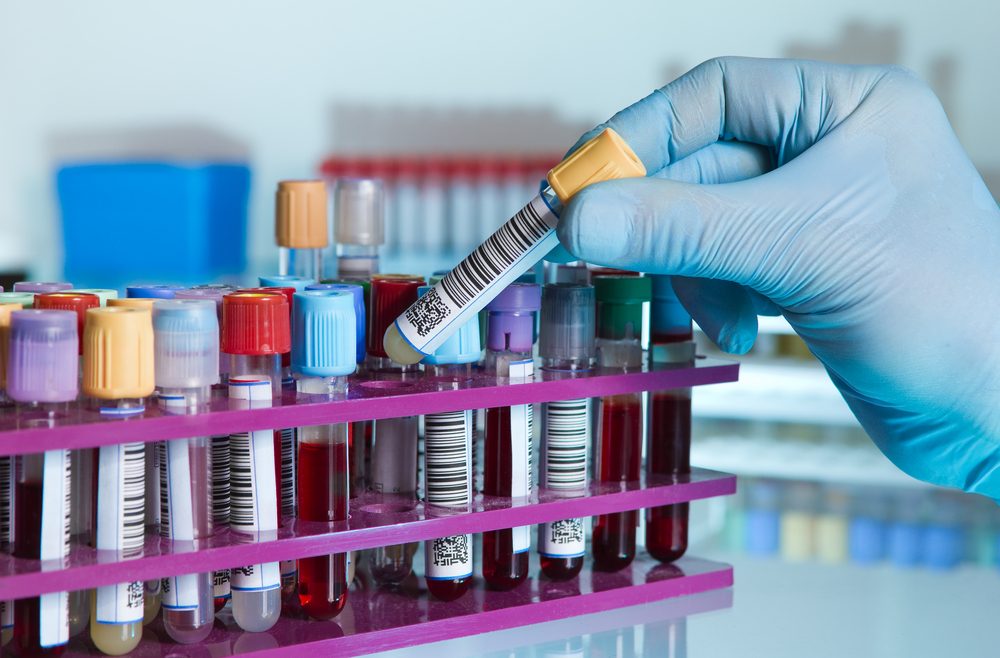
268	73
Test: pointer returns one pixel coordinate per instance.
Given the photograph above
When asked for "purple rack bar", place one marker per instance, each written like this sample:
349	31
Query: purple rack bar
367	400
382	620
373	523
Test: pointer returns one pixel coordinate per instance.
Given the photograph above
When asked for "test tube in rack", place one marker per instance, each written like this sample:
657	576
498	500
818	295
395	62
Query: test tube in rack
566	347
507	452
324	353
255	333
448	465
358	225
118	376
186	335
301	229
6	467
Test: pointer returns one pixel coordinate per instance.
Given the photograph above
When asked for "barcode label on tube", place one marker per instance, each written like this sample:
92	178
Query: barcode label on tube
255	578
177	518
520	446
120	525
6	614
561	538
220	480
253	494
6	501
448	458
449	558
565	439
53	626
220	584
288	472
508	253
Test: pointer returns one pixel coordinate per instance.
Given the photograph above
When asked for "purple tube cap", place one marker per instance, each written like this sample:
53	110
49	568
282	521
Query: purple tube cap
43	356
517	298
40	287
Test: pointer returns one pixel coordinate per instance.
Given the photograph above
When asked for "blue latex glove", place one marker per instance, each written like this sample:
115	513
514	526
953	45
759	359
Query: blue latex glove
840	197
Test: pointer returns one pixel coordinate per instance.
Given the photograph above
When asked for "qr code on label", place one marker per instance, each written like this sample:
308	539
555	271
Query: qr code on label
567	532
449	551
429	313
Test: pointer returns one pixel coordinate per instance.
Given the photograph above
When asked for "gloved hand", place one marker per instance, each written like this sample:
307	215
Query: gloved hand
840	197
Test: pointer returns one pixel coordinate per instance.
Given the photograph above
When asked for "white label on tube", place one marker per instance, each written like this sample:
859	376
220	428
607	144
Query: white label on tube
6	614
53	622
6	501
120	525
507	254
449	558
220	584
566	435
179	592
561	538
253	489
520	447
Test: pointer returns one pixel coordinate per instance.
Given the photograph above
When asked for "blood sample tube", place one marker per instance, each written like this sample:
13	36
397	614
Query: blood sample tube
668	447
220	444
566	346
82	459
255	334
511	251
154	291
6	463
507	448
301	227
393	472
118	376
103	294
448	439
186	334
358	225
618	452
42	380
324	353
37	287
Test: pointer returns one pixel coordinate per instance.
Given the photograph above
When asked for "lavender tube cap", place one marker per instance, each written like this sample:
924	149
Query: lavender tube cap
43	356
511	320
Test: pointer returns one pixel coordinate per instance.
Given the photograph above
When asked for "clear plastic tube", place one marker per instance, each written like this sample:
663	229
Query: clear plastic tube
186	515
300	262
254	380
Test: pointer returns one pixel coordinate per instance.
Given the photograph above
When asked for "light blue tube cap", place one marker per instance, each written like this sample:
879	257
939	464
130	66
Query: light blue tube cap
286	281
324	333
666	314
464	346
153	291
185	343
359	309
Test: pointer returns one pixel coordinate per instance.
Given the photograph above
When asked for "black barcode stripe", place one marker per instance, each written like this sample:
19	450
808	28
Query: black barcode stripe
134	497
220	480
67	502
6	500
446	459
567	436
496	254
288	440
530	412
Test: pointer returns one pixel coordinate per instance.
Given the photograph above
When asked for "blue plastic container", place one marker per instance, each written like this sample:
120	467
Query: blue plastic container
152	221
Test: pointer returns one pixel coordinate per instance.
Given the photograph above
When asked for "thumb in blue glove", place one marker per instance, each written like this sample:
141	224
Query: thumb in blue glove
840	197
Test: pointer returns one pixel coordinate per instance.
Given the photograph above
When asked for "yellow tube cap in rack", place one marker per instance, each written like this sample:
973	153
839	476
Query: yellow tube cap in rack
132	302
5	311
300	219
118	353
604	157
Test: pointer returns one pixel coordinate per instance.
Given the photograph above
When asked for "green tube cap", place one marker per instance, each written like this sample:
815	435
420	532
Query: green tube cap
619	305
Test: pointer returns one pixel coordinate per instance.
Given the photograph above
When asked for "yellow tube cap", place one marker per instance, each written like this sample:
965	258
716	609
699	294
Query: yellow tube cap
118	353
604	157
132	302
300	214
5	311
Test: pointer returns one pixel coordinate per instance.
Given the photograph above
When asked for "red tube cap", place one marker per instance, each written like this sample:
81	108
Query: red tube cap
390	297
255	322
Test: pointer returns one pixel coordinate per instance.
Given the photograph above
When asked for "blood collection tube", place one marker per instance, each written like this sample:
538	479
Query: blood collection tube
358	225
118	376
393	471
668	447
448	465
220	444
103	294
186	335
42	380
324	353
507	254
255	333
507	447
6	466
566	347
37	287
618	452
301	227
153	291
